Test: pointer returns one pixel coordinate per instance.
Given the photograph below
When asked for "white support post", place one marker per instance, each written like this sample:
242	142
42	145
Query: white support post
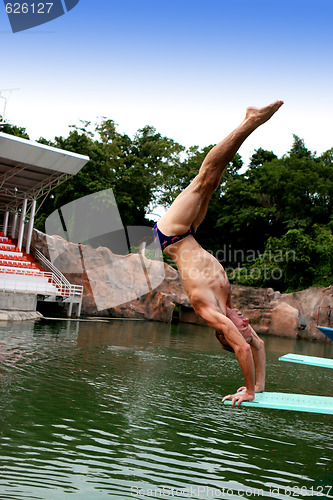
142	248
21	230
31	226
13	233
70	309
5	223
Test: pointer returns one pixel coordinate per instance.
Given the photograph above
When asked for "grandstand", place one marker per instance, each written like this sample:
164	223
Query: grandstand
28	173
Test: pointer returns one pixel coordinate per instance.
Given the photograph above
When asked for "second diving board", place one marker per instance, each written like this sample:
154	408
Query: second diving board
307	360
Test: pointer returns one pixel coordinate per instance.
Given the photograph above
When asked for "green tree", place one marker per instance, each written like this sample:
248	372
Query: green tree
14	130
134	169
293	262
261	156
323	255
295	191
159	160
299	150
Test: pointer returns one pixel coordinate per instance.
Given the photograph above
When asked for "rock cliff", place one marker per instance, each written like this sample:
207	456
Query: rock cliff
287	315
125	286
120	286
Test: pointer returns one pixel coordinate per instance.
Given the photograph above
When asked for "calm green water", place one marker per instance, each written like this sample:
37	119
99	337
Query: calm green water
133	409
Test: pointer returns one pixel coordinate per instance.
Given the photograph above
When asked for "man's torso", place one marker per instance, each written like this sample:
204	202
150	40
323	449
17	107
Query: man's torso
203	277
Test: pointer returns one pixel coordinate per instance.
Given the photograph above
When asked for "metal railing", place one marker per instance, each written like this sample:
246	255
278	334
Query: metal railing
65	288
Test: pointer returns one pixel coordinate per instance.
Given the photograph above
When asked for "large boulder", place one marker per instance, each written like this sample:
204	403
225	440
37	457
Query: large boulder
132	286
126	286
266	310
287	315
311	304
291	315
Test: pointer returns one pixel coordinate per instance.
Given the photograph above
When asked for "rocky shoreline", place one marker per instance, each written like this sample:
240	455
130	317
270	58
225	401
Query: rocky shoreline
109	280
19	315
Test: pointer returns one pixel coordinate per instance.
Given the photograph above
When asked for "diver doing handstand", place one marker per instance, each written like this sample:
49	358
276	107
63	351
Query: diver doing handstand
202	275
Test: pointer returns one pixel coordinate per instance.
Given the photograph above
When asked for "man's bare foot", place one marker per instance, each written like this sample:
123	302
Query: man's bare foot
258	116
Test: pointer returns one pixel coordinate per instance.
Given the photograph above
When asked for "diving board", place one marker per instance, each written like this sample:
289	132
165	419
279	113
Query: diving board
326	330
307	360
294	402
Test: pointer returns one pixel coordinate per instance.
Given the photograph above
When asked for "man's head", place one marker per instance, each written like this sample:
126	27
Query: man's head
242	325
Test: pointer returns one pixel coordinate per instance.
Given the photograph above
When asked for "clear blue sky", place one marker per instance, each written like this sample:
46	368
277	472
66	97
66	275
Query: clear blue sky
187	67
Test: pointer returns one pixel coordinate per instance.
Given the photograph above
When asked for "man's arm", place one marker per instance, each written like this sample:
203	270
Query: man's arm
243	352
259	358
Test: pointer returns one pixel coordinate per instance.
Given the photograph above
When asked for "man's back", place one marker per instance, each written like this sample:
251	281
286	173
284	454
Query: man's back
203	277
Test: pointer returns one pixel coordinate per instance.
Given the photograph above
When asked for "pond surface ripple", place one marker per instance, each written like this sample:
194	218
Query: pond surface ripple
129	409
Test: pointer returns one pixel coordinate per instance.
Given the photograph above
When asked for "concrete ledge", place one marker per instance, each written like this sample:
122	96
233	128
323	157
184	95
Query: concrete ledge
19	315
18	301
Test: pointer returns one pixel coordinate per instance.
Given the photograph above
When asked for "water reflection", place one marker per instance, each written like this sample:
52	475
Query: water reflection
119	409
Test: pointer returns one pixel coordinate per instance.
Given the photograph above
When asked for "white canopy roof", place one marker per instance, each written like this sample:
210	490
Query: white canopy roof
31	170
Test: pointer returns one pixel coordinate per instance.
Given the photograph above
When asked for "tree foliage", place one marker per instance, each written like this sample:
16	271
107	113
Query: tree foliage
131	167
14	130
284	206
270	224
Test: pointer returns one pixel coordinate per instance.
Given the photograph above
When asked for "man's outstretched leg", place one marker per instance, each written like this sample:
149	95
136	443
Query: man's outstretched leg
190	207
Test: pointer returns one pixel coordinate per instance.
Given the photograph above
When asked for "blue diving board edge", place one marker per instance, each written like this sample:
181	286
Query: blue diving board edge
307	360
293	402
326	330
